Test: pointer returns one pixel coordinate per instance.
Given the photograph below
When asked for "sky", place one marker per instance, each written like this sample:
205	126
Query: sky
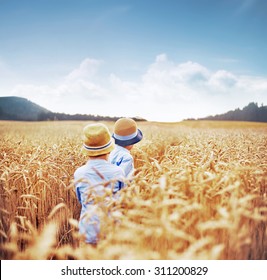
163	60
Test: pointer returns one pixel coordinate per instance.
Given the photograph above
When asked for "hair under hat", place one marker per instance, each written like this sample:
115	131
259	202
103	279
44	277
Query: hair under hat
126	132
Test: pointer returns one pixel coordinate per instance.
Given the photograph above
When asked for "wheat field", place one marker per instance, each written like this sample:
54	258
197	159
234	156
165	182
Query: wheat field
199	193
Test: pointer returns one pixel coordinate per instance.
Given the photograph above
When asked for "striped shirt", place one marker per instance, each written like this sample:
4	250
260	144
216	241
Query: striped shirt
89	182
120	156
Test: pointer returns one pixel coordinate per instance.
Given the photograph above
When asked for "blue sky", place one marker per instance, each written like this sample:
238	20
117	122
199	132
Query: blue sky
163	60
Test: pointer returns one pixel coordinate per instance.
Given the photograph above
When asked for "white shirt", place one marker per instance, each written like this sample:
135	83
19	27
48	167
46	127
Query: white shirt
120	156
91	176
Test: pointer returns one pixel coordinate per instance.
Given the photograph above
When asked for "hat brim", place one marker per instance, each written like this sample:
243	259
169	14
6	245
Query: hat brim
129	142
95	153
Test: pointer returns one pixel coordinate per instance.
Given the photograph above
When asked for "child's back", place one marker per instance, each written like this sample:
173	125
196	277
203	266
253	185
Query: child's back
97	178
122	157
126	134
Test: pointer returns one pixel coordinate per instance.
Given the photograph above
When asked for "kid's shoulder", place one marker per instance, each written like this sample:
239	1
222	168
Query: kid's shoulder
79	171
127	158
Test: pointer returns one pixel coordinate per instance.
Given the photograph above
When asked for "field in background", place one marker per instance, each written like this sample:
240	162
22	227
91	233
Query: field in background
199	193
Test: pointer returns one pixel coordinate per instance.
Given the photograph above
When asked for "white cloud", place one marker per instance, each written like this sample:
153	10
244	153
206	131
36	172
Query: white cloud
86	70
166	91
76	93
222	81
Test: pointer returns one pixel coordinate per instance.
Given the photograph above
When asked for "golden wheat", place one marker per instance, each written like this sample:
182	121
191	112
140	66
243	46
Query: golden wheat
199	193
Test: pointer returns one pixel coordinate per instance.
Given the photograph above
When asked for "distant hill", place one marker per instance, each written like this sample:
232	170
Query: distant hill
22	109
252	113
17	108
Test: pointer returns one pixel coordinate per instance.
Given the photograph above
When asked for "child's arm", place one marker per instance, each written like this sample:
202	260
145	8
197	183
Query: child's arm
127	166
119	184
78	195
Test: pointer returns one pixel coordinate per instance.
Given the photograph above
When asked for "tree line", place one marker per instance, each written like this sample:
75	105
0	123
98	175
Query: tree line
50	116
251	112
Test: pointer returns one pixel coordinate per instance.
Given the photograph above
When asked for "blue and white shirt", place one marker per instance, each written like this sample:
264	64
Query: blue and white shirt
122	157
89	182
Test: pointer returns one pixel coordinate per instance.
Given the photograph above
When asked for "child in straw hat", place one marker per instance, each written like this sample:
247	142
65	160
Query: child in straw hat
126	134
97	179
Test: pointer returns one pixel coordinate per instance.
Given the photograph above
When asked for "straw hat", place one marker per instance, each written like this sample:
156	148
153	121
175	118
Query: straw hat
97	140
126	132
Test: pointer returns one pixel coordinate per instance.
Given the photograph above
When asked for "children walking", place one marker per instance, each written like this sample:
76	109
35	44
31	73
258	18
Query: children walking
95	177
126	134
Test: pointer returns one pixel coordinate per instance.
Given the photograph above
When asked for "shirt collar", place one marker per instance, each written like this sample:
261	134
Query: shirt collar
96	161
122	149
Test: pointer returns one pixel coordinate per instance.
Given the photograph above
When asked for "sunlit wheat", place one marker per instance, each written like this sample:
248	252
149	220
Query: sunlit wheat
200	192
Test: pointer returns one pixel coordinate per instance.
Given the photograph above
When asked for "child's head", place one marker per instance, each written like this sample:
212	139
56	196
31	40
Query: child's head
97	140
126	133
